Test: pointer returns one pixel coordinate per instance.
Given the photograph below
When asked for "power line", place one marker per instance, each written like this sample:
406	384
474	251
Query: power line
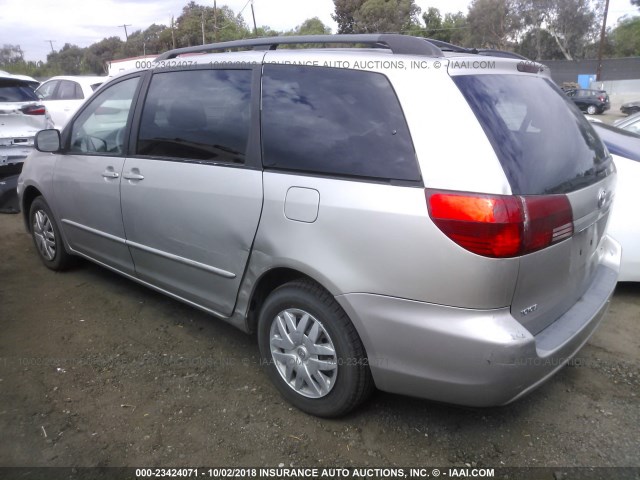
245	6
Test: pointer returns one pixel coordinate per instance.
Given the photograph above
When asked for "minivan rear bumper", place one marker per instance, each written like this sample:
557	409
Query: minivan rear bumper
473	357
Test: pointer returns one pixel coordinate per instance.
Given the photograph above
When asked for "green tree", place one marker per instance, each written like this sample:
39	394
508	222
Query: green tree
433	23
573	24
70	60
493	23
380	16
452	28
97	54
219	24
625	38
312	26
455	28
539	44
11	55
344	14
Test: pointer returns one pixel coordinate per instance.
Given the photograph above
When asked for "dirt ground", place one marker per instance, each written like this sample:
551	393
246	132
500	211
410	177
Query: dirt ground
98	371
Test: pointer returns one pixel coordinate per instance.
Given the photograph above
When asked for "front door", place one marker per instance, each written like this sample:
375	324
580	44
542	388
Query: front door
88	174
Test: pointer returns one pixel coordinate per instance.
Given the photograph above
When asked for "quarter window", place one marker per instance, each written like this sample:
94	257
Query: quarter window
101	127
336	122
199	115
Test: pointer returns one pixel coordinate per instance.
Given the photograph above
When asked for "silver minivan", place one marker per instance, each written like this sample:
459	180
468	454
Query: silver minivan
406	216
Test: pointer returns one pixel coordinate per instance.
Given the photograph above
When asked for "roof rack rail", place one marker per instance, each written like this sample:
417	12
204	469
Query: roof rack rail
450	47
398	44
489	52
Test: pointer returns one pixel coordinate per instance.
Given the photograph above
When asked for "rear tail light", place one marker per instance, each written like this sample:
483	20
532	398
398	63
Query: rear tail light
501	226
34	110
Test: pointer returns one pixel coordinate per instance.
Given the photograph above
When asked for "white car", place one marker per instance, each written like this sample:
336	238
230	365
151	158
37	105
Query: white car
624	224
22	115
63	95
630	123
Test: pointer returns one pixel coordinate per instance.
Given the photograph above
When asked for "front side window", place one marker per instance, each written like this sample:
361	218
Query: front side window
198	115
47	90
101	127
335	121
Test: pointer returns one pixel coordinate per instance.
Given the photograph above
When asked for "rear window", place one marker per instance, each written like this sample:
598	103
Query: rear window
335	121
16	91
544	143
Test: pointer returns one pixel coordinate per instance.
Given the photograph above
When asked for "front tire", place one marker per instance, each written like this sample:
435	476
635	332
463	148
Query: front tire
46	236
312	351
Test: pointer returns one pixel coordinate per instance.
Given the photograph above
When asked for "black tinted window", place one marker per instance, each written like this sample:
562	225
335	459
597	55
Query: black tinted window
544	143
16	91
335	121
198	115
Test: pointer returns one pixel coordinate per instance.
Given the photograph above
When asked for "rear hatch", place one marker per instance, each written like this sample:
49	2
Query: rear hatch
21	117
561	174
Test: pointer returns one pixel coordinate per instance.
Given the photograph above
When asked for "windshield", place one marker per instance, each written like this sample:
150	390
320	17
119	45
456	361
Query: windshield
544	143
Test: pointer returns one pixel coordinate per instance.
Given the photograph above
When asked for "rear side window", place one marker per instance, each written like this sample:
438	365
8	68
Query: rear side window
544	143
69	90
336	122
201	115
16	91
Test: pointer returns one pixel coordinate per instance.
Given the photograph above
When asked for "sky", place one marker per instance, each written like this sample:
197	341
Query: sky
32	24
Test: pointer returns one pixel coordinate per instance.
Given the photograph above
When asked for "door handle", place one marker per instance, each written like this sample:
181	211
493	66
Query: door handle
133	176
110	174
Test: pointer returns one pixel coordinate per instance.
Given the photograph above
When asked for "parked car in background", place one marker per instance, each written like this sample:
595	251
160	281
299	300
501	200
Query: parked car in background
63	95
32	82
624	224
631	123
317	207
590	101
630	107
22	115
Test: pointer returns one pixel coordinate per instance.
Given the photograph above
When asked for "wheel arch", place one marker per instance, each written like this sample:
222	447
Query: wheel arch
29	195
267	283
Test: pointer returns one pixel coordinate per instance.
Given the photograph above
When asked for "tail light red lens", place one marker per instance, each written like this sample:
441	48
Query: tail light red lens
501	226
34	110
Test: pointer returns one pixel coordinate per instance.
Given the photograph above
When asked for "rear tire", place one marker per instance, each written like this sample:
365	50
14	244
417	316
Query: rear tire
46	237
592	110
312	351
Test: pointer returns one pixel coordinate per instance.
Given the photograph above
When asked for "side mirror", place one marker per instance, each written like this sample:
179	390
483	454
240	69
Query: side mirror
48	141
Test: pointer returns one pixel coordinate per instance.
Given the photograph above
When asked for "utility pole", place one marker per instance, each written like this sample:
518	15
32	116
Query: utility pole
601	47
202	25
126	35
253	13
51	43
215	20
173	35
